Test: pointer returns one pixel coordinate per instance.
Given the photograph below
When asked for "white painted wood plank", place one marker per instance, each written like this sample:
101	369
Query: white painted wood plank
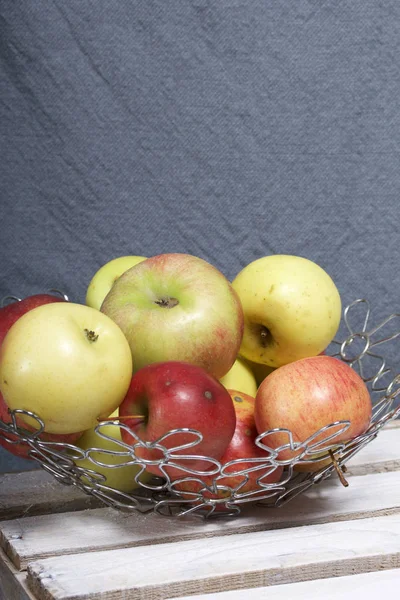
221	563
12	584
38	492
99	529
382	454
368	586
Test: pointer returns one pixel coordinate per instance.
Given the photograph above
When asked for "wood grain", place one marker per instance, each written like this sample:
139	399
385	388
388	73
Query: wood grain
218	564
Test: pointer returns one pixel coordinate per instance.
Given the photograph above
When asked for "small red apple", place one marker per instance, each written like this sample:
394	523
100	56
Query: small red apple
242	446
306	395
9	314
172	395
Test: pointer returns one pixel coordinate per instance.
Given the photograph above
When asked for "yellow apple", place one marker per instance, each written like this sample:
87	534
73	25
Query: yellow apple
241	378
118	478
291	306
106	276
67	363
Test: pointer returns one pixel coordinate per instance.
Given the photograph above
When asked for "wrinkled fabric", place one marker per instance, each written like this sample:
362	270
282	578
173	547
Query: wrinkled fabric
229	130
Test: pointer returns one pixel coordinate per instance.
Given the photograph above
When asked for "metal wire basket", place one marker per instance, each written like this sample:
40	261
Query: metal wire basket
213	497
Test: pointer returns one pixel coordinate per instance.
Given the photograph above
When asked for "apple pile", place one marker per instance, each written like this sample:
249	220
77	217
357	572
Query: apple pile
193	367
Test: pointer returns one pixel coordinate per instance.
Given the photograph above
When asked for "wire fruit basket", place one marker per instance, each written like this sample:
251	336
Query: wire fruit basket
214	496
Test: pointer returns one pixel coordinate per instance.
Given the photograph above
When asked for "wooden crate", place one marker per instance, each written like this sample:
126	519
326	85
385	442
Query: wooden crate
330	542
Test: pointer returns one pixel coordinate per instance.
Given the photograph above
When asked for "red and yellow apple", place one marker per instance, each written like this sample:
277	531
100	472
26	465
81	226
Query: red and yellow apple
103	280
173	395
291	306
177	307
67	363
307	395
242	446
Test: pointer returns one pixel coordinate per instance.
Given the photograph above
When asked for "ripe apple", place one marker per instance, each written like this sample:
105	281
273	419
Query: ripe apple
240	377
177	307
67	363
309	394
261	371
174	395
291	306
242	446
10	313
103	280
118	478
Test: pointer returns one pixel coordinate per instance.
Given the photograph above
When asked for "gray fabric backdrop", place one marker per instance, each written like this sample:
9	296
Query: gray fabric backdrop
229	129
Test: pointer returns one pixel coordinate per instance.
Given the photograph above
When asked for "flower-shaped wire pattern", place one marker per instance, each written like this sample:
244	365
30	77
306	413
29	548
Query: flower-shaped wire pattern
359	350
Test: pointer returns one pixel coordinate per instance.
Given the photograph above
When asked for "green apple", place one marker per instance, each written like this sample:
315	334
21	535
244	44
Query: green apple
177	307
67	363
291	306
240	377
119	478
103	280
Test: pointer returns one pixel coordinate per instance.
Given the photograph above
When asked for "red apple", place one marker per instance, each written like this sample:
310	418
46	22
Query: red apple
9	314
242	446
309	394
172	395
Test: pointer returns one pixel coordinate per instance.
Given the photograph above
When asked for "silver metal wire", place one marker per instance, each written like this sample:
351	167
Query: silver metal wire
9	300
210	495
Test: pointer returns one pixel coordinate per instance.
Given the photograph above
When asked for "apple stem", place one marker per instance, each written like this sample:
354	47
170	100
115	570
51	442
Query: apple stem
91	335
167	302
339	470
266	338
